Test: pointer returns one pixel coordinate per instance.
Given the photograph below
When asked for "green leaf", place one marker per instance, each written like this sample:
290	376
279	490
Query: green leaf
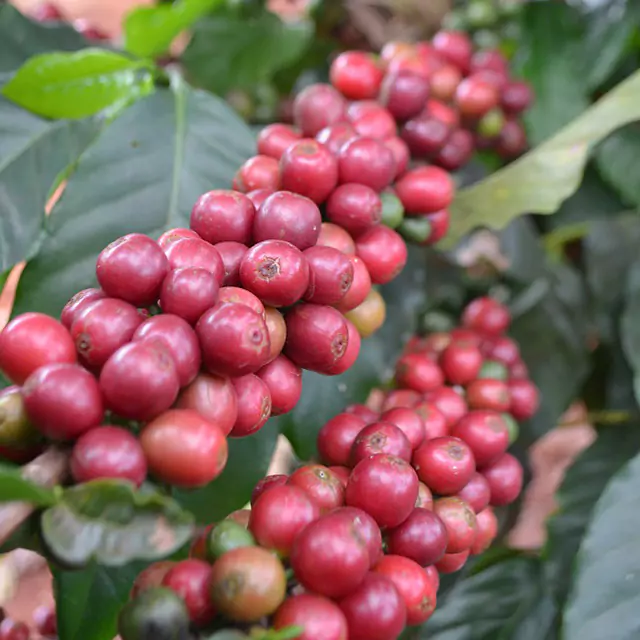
233	52
606	592
32	153
21	38
142	175
112	523
542	179
617	159
630	333
77	85
88	601
506	601
13	487
149	31
249	460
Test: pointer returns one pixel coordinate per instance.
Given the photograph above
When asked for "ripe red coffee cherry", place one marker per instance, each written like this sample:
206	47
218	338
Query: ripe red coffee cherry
407	398
368	530
351	354
380	437
435	423
335	136
238	295
184	449
188	293
422	537
258	196
320	484
173	235
444	82
376	122
247	584
384	253
524	399
425	497
77	303
452	562
132	268
151	577
258	172
449	403
443	112
254	405
486	433
330	275
62	400
289	217
487	531
234	339
459	520
505	477
178	338
277	329
108	452
318	106
384	486
512	141
489	394
334	236
214	398
401	154
366	161
329	556
360	286
461	362
342	473
425	135
337	436
318	617
486	316
455	47
501	349
404	94
30	341
457	151
284	381
444	464
266	483
356	75
190	580
317	337
279	515
274	139
375	610
425	190
412	584
476	493
419	373
362	411
490	59
222	216
432	574
193	252
310	169
140	380
276	272
408	421
475	97
354	207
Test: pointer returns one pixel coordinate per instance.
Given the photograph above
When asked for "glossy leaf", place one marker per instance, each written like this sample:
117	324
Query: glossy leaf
13	487
606	592
77	85
542	179
112	523
32	153
143	175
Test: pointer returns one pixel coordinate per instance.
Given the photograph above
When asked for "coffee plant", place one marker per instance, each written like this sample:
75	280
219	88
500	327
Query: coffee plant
373	272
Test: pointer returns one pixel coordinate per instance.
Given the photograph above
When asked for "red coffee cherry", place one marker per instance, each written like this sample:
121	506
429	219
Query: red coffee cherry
190	580
476	493
193	252
435	423
335	136
266	483
108	452
407	398
318	617
279	515
354	207
452	562
524	399
501	349
277	328
486	316
486	433
173	235
274	139
489	59
254	405
380	437
329	556
289	217
457	150
214	398
342	473
32	340
356	75
330	275
337	436
489	394
184	449
459	520
432	574
461	362
412	584
45	621
223	216
455	47
422	537
352	352
425	497
307	167
375	122
449	403
444	464
419	373
475	97
258	172
425	135
189	292
366	161
384	486
77	303
404	94
234	339
238	295
318	106
320	484
334	236
512	141
368	530
505	477
383	252
444	82
374	610
258	196
401	154
443	112
425	190
362	411
487	531
409	422
284	381
360	286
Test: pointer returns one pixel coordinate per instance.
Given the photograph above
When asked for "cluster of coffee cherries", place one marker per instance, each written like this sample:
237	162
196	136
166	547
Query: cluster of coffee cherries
405	490
44	619
48	12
